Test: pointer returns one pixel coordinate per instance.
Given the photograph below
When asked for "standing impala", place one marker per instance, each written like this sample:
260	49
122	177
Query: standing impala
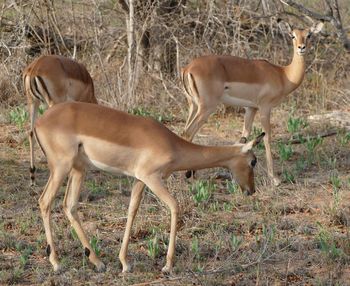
74	135
253	84
51	80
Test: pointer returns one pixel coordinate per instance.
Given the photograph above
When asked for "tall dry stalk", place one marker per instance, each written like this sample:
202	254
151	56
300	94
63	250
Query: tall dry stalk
131	51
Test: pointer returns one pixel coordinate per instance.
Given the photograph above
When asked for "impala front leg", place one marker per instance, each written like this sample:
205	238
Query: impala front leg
157	187
136	195
266	124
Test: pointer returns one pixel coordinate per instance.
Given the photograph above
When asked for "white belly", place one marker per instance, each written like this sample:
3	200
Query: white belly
234	101
107	168
243	94
108	156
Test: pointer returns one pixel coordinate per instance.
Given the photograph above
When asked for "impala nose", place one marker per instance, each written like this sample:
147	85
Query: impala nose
248	189
301	49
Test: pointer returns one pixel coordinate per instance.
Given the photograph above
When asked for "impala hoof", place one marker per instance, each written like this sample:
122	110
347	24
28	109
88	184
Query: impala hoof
126	269
57	268
100	267
166	270
32	183
276	181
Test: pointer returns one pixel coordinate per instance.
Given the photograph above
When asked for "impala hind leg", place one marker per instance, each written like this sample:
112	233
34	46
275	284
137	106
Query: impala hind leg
158	188
248	122
266	124
136	195
45	202
203	112
70	204
197	122
33	111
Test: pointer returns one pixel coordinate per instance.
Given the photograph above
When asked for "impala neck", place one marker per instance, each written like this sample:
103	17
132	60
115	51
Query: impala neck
201	157
294	72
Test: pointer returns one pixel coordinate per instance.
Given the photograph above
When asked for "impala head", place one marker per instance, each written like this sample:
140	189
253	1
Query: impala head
242	168
300	37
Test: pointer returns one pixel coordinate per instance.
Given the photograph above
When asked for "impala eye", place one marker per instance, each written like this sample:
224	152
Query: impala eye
292	36
253	162
308	36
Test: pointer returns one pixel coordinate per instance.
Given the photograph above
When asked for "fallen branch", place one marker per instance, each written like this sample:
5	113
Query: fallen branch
302	139
158	281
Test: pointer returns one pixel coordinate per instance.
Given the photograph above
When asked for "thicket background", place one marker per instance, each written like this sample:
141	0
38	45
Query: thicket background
167	35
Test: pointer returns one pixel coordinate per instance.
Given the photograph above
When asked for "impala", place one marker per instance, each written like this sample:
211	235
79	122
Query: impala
253	84
74	135
51	80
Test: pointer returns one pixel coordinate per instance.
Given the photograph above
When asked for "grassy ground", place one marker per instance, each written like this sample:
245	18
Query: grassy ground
295	234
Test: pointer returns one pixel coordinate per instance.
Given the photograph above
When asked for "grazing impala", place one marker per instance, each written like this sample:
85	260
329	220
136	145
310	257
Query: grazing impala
51	80
74	135
253	84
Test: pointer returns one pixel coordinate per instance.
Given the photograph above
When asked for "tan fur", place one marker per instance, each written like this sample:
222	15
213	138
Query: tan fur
51	80
253	84
74	135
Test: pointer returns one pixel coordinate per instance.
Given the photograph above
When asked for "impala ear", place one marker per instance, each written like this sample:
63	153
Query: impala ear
289	28
285	27
248	146
316	28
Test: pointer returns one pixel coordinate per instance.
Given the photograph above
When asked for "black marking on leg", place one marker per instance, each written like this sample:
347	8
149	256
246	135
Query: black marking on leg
243	140
87	252
31	133
32	175
32	170
48	250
